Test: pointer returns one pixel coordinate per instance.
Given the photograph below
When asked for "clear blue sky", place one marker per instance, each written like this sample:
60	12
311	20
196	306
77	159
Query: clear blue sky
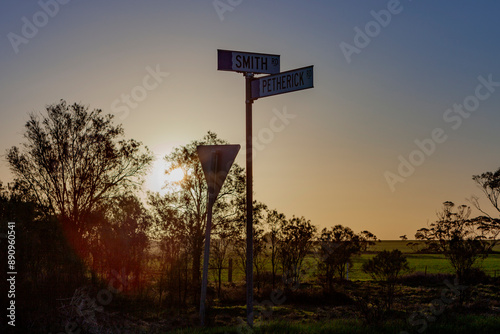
331	161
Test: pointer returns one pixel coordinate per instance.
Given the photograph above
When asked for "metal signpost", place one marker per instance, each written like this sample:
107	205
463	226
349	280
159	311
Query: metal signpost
250	63
216	161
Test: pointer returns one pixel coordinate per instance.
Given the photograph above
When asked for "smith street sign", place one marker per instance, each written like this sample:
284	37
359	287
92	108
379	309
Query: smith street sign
237	61
290	81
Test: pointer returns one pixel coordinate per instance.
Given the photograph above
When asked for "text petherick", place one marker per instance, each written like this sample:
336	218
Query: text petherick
290	81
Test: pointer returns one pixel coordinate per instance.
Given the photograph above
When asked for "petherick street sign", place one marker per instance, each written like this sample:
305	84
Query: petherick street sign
284	82
248	62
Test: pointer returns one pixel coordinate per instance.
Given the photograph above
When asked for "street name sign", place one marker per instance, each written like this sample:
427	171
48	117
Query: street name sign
249	62
284	82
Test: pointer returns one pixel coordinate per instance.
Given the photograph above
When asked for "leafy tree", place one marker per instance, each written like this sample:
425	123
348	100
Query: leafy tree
337	246
296	242
173	254
387	266
274	222
417	246
74	159
219	253
489	182
460	239
187	200
259	242
48	268
222	243
121	233
259	250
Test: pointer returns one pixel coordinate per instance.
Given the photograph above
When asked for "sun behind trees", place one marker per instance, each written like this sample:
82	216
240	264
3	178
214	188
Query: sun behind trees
180	215
82	222
77	171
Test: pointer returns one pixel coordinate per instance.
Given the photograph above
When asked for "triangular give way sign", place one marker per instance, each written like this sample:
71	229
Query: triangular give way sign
216	161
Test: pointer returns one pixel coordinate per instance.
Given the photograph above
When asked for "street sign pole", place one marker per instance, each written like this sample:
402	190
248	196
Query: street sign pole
249	170
204	282
208	229
216	161
250	63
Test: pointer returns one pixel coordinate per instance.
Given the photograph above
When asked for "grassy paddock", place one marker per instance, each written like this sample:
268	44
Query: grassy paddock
430	263
443	325
403	246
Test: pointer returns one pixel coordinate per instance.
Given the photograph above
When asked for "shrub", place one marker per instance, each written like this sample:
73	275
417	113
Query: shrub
387	266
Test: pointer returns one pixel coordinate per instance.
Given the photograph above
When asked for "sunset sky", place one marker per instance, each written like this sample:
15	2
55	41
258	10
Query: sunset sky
413	81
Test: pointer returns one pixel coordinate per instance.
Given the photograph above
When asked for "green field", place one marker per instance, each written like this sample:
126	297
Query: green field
403	246
427	263
453	325
430	263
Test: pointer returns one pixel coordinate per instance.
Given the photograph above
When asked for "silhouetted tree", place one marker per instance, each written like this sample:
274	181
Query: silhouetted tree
174	249
296	242
73	160
222	245
120	231
461	240
187	199
259	250
416	246
219	257
259	242
337	246
387	266
489	183
274	222
47	267
172	255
